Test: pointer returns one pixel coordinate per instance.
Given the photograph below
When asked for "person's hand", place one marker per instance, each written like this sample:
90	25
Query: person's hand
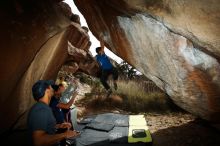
65	125
70	133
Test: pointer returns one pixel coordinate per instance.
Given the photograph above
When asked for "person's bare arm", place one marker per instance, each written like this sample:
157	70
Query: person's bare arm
69	104
63	125
41	138
102	45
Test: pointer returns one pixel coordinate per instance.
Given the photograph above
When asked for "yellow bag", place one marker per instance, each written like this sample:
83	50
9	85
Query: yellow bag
138	129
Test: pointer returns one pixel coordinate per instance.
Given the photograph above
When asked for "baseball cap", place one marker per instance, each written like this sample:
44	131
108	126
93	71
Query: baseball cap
39	88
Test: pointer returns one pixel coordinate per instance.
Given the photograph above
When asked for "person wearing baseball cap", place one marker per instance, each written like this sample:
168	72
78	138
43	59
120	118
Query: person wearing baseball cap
41	121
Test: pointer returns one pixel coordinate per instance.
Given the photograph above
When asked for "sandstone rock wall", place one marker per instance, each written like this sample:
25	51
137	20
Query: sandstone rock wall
176	44
35	36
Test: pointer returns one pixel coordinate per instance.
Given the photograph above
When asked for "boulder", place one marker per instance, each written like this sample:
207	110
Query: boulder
35	36
176	44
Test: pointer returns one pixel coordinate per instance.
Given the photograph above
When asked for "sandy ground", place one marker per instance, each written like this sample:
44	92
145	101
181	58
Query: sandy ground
181	129
167	129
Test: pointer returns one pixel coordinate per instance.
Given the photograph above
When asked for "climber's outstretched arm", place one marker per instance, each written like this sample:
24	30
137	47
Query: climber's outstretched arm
102	45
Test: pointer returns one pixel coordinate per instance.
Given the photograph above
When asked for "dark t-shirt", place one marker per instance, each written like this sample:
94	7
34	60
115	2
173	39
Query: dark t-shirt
41	117
58	113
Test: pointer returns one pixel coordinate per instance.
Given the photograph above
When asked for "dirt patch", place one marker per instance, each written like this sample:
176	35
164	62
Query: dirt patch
181	129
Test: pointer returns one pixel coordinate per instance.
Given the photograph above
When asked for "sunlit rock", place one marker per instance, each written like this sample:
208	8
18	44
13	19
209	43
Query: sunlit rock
176	44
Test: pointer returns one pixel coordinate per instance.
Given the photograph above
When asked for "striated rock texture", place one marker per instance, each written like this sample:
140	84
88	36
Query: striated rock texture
35	37
176	44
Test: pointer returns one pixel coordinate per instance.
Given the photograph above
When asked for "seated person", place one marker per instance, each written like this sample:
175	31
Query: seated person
41	122
61	80
58	107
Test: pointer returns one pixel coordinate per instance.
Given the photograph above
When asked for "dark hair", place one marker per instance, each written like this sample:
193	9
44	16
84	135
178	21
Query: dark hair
55	87
98	49
39	88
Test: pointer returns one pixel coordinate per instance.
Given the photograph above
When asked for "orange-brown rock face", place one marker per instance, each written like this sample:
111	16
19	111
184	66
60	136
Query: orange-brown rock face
35	37
174	43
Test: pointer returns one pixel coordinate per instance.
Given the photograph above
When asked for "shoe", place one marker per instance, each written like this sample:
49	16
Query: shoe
115	86
109	92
